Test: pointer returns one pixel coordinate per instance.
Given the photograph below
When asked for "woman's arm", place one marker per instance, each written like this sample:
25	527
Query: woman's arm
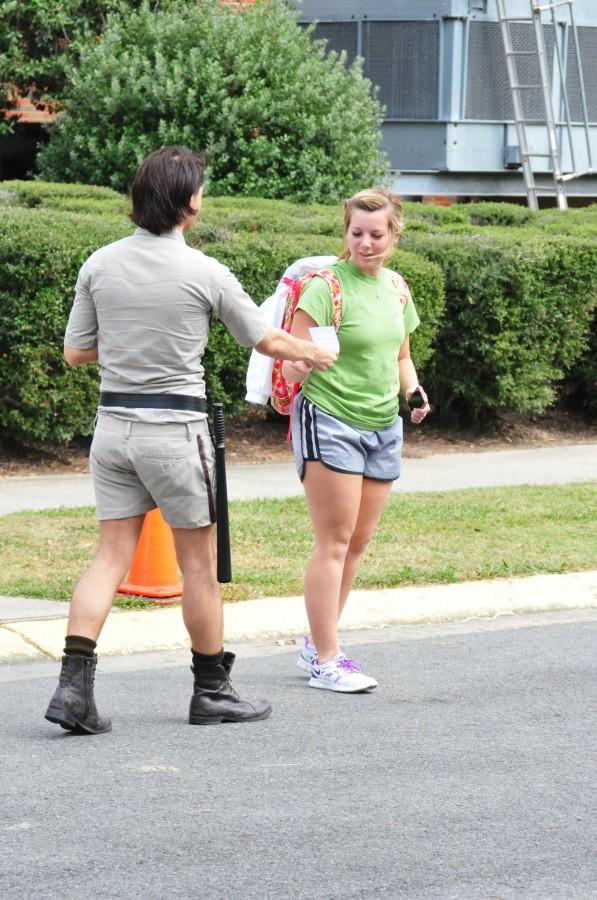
409	381
301	323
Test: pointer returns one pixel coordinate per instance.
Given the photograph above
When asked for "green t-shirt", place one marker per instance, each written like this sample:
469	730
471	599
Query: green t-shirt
362	386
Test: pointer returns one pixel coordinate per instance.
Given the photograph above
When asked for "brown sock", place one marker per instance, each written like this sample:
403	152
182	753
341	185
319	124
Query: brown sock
76	645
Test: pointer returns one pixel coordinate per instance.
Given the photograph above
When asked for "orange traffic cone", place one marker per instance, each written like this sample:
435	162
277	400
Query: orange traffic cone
154	570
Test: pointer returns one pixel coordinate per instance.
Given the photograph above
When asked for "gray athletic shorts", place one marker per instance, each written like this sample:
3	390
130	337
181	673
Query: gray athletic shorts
343	447
137	466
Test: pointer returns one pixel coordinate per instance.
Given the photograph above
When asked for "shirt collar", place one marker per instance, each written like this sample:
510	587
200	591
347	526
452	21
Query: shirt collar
358	273
174	235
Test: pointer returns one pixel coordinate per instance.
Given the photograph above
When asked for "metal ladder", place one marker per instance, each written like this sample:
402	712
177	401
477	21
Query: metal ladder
539	52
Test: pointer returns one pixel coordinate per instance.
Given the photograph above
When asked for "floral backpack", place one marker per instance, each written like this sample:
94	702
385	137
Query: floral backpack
283	392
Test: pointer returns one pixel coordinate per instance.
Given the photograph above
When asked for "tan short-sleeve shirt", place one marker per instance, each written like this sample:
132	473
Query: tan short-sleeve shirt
146	302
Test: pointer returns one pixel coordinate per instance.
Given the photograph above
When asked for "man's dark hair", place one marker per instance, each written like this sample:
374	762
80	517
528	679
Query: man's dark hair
163	186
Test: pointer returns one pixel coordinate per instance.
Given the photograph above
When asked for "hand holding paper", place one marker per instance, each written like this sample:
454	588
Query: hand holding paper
325	335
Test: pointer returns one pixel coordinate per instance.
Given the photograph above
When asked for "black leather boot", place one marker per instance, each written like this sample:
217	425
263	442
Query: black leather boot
73	704
214	699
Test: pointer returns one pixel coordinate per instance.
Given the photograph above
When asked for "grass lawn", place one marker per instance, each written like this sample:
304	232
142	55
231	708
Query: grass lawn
433	538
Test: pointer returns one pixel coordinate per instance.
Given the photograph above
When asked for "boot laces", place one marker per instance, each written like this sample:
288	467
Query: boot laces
234	693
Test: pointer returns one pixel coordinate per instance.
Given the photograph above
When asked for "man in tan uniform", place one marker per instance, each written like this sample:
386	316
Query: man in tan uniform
142	308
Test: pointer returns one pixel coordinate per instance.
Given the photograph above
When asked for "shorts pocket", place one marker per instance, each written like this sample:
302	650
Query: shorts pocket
106	450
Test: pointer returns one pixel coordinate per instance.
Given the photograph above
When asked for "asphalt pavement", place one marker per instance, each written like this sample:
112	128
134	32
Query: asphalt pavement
467	775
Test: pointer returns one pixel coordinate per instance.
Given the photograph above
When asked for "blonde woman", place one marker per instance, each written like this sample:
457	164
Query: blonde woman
347	433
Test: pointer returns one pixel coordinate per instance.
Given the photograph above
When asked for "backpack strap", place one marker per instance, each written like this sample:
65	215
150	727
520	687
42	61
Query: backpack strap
335	292
401	286
295	288
282	392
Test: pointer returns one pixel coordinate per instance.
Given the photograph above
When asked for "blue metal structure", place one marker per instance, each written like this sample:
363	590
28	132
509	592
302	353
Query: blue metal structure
442	75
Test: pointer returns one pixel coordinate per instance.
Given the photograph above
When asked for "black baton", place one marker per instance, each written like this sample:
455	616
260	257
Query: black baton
223	531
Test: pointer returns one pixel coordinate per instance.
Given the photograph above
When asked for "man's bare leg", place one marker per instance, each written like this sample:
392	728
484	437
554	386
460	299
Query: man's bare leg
94	593
73	704
214	700
201	601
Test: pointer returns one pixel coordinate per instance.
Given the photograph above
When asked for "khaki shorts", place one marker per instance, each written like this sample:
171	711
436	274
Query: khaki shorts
137	466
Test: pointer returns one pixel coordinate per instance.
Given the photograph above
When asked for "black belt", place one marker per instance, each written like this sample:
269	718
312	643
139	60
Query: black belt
152	401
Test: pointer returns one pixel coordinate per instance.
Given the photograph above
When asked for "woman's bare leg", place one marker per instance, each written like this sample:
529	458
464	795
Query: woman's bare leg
374	496
333	499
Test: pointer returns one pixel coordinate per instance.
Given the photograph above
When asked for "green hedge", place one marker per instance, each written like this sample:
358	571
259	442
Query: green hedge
513	329
220	215
477	214
40	255
517	320
43	399
579	390
79	198
485	214
250	214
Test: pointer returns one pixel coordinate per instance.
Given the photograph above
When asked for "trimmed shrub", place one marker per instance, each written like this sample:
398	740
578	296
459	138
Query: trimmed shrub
513	333
581	221
422	216
435	215
481	214
42	399
40	193
517	318
427	286
579	390
276	114
249	214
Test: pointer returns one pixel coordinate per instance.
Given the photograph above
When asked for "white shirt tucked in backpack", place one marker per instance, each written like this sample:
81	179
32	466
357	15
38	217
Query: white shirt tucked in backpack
259	372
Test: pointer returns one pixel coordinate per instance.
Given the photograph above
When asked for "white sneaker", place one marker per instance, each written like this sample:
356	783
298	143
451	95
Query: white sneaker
306	656
340	674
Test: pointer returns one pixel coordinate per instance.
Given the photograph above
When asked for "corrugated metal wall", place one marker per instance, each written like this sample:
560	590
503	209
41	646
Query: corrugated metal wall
399	55
442	78
403	59
488	93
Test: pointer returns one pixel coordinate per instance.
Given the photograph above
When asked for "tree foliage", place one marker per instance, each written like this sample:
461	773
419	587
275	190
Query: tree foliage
38	41
277	115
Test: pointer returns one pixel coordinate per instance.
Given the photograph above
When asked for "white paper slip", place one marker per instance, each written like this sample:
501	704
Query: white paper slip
325	334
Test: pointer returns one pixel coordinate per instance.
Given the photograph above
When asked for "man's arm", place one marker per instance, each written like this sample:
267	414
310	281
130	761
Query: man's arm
246	324
281	345
76	357
82	324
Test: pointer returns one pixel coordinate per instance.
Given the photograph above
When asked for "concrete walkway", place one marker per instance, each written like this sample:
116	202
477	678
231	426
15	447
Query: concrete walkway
34	629
137	631
442	472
